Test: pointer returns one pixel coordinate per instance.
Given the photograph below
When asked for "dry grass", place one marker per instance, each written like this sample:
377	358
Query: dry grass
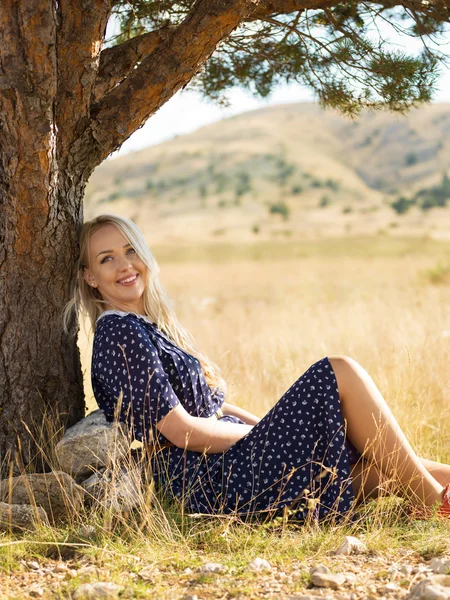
264	322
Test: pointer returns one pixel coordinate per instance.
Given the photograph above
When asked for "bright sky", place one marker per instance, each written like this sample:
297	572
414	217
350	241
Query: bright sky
188	111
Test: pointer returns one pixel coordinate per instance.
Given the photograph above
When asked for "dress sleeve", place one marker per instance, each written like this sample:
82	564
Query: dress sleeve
135	387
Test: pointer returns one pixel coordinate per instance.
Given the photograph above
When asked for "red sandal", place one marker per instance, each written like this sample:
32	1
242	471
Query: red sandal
444	509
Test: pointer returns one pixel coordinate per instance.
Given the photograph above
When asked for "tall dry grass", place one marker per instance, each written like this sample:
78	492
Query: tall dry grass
264	322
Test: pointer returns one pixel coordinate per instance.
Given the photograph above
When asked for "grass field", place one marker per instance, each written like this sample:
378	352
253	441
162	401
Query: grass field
264	314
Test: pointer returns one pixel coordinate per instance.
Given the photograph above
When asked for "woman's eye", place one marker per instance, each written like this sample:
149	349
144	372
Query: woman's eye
105	259
131	251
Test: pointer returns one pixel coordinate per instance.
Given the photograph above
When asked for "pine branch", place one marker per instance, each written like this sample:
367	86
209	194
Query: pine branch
171	66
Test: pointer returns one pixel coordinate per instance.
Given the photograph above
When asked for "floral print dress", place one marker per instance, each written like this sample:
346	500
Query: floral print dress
295	461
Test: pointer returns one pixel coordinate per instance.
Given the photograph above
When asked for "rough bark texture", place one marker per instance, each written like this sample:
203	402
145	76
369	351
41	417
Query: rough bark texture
41	212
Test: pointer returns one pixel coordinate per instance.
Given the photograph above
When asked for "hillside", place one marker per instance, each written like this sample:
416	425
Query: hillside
288	170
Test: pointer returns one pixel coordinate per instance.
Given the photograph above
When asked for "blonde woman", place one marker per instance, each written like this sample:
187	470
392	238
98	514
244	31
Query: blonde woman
329	439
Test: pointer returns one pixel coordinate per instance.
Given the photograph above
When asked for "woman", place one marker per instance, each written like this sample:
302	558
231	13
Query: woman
330	439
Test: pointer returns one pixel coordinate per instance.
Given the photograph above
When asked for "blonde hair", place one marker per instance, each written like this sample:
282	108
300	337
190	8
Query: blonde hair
89	301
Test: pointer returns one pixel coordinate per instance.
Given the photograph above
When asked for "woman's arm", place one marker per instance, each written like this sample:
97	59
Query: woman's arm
236	411
200	434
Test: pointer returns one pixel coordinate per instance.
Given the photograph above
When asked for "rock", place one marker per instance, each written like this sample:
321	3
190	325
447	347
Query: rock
212	568
406	570
190	597
87	532
36	592
21	516
188	571
32	564
436	587
97	591
90	444
60	568
390	588
351	545
55	492
117	489
259	564
320	569
440	566
321	577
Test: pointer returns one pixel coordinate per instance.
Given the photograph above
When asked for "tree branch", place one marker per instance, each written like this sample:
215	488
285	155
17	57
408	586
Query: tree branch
117	62
159	76
80	33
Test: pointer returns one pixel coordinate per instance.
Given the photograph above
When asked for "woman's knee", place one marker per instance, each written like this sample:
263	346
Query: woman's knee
344	369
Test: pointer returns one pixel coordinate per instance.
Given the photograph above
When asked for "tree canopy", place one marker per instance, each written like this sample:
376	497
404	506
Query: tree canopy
341	50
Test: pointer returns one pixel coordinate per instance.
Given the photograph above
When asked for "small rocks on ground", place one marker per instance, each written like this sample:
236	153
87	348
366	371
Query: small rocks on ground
190	597
97	591
260	564
212	568
351	545
321	577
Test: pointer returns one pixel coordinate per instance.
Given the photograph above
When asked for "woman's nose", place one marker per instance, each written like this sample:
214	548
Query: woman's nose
124	263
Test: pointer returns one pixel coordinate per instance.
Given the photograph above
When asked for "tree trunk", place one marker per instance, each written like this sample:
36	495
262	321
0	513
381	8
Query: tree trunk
41	388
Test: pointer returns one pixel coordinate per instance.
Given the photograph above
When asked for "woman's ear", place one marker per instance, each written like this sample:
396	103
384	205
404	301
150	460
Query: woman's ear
89	278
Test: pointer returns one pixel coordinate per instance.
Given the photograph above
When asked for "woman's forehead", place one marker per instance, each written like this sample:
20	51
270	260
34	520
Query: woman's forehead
109	235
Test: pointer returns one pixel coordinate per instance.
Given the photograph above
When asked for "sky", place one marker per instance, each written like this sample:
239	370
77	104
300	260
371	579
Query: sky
188	110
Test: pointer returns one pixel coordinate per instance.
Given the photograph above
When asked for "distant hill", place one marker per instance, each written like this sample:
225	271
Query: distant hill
288	170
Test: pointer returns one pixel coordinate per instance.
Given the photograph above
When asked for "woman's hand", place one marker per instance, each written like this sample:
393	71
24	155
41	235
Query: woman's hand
200	434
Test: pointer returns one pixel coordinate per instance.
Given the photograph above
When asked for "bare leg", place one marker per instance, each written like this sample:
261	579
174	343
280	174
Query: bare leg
440	471
368	482
373	431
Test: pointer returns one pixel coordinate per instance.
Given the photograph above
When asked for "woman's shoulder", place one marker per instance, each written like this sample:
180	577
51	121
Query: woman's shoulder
117	323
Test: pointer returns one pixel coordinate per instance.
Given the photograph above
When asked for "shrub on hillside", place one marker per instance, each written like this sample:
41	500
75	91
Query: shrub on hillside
280	208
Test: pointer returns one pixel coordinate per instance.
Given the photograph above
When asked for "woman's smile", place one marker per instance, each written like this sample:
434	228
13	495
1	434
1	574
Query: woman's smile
129	280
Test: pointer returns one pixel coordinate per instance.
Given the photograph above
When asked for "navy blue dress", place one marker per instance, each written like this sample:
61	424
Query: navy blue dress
295	461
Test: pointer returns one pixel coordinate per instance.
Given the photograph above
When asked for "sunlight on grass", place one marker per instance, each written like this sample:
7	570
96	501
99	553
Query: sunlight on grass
264	318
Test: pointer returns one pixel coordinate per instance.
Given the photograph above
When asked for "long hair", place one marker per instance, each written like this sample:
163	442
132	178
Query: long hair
89	301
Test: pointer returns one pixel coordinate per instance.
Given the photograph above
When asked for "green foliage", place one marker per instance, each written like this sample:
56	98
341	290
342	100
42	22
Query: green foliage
402	205
243	184
439	274
411	159
296	190
333	51
280	208
436	196
324	201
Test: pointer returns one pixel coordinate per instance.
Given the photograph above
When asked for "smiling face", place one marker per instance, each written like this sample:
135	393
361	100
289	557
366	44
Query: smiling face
116	270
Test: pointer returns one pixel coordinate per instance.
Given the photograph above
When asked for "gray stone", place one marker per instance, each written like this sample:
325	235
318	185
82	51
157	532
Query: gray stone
351	545
212	568
436	587
320	578
440	566
90	444
56	492
260	564
117	489
21	516
97	591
